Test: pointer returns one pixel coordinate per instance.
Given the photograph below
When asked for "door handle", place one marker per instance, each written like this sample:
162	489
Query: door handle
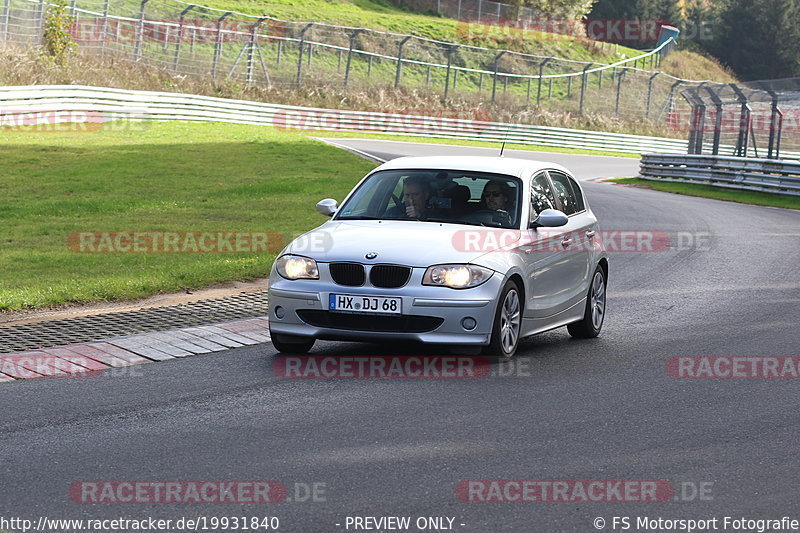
566	242
590	234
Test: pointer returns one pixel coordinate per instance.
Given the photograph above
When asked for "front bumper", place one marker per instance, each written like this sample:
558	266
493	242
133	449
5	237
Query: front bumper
431	315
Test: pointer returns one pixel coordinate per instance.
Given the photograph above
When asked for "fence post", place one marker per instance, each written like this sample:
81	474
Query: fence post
774	118
449	54
480	10
744	122
717	119
698	120
650	92
140	34
180	37
619	90
280	50
251	50
494	78
541	72
300	53
569	87
218	44
668	101
350	55
600	79
584	82
104	32
6	18
399	70
40	23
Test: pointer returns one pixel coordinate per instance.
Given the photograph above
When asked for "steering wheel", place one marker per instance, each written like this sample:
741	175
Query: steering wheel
489	217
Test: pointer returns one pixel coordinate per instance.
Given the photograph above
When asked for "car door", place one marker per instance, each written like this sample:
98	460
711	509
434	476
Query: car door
547	290
578	238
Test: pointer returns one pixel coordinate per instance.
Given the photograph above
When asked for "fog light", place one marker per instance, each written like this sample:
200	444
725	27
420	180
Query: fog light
280	312
469	323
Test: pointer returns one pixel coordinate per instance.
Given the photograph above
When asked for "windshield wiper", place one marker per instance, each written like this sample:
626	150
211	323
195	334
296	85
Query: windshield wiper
361	218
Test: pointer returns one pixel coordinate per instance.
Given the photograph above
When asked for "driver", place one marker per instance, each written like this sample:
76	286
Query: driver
416	196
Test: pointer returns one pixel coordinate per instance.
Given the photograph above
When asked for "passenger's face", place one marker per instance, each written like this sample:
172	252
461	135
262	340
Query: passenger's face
414	194
494	198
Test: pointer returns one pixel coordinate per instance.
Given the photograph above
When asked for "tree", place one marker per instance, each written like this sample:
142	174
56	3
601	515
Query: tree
758	39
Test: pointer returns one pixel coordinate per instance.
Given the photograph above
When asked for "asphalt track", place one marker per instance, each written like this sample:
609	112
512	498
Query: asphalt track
604	409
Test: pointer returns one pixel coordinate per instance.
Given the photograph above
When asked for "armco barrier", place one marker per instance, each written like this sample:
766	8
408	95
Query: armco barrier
767	175
117	104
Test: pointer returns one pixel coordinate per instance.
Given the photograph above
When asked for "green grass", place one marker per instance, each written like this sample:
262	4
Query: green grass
169	177
459	142
717	193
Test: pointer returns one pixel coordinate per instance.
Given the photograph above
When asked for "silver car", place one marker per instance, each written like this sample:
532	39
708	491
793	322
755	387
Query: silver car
456	251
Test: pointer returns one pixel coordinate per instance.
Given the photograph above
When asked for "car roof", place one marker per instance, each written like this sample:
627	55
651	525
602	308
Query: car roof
521	168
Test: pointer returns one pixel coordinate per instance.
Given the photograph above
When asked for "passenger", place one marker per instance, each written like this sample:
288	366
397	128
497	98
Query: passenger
499	197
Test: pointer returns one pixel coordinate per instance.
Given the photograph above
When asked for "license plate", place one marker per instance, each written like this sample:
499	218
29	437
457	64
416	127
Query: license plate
380	305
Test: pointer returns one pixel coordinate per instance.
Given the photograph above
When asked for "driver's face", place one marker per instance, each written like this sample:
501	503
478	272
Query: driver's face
413	194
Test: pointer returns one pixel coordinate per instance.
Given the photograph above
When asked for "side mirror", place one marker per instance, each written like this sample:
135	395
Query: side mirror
327	207
550	218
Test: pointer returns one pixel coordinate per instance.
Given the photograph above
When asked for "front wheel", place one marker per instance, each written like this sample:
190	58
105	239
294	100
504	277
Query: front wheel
592	322
292	344
507	323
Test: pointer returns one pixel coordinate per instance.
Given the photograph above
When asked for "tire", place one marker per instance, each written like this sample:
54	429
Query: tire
292	344
507	323
595	313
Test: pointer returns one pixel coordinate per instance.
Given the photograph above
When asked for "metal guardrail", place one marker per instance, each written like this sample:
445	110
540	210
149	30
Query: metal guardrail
26	105
766	175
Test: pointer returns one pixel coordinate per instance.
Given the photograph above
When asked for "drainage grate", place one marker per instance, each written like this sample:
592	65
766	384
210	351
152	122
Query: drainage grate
98	327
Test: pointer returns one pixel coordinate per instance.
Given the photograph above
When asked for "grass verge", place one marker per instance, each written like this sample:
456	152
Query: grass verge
717	193
171	176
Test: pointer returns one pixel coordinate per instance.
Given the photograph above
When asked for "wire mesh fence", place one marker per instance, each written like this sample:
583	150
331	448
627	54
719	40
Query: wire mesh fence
758	119
223	45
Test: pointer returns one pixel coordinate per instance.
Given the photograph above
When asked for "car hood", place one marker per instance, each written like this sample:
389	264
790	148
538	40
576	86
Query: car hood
412	243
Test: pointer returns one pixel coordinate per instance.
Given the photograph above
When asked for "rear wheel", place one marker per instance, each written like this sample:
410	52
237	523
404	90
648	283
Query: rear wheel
292	344
507	323
594	314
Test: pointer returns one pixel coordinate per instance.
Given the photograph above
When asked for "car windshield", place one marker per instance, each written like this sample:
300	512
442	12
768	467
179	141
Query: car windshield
451	196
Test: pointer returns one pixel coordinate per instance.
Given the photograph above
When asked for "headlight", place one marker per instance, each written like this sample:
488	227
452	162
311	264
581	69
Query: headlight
297	267
456	276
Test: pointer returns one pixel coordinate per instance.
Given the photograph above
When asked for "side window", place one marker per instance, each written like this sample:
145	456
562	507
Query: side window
578	195
541	196
566	192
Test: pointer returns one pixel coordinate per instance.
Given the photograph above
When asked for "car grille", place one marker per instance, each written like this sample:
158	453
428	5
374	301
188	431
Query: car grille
389	276
350	274
376	323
